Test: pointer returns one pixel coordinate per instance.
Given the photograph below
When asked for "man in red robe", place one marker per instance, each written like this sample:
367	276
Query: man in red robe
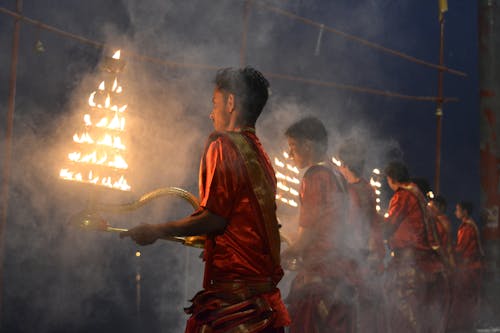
443	227
363	238
415	268
321	295
237	214
467	279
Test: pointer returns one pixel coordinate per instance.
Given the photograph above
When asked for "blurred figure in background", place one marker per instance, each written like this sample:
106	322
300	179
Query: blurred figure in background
321	296
364	239
415	271
467	278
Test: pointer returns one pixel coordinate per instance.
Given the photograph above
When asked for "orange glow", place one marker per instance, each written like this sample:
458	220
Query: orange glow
277	162
91	99
107	102
292	168
336	161
115	84
101	158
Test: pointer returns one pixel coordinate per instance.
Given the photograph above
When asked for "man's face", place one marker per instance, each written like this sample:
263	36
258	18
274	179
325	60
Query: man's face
221	112
392	184
300	152
459	212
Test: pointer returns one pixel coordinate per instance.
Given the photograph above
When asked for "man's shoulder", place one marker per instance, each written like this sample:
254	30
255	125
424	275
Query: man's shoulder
325	173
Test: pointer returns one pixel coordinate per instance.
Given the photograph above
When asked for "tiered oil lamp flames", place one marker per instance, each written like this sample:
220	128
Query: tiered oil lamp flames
286	176
376	183
99	152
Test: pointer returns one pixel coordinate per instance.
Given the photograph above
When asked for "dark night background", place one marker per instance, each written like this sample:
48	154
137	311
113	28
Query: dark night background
58	279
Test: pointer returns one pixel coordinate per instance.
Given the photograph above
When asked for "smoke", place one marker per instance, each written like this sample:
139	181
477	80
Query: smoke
59	278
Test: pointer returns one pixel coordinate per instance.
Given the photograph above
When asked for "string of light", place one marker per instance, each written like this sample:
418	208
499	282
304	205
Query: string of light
163	62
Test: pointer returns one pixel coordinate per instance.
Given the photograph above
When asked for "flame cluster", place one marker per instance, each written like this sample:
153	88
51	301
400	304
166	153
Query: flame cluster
98	157
376	183
288	183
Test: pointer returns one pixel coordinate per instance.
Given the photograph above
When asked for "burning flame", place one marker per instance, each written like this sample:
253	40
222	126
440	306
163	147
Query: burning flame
292	168
376	171
84	138
336	161
86	119
279	163
91	99
375	183
108	149
283	187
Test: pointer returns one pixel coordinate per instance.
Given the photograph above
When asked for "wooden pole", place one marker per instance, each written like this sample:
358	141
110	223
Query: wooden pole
439	109
8	146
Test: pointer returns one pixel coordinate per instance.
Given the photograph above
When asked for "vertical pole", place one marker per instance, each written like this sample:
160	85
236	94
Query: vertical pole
243	49
489	111
8	146
439	109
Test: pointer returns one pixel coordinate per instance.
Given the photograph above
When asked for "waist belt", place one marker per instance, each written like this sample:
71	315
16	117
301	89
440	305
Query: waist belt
253	288
409	253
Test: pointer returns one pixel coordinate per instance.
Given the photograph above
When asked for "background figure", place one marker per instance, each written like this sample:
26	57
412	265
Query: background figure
364	239
415	272
237	215
322	293
467	278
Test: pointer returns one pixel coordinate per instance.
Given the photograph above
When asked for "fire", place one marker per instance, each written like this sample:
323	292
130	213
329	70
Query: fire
100	156
86	119
286	180
279	163
336	161
292	168
107	102
91	99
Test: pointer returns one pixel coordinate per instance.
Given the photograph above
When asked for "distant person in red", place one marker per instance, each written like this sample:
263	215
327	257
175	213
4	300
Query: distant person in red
467	279
321	296
363	238
237	215
438	207
414	267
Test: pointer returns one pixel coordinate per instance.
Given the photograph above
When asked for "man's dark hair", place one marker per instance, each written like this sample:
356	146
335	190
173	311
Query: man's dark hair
352	154
468	206
249	87
397	171
309	128
440	202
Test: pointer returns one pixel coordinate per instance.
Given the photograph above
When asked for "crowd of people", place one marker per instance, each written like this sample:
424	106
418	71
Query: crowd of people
343	281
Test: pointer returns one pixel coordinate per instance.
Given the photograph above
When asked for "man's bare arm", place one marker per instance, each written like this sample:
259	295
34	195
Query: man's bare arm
200	224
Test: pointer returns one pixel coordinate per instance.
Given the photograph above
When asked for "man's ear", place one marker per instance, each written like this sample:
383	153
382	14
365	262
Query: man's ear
230	103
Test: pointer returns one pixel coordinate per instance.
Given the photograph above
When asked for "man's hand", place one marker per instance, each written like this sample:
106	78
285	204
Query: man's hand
143	234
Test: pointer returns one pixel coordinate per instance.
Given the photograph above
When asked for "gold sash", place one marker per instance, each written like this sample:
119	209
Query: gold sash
263	190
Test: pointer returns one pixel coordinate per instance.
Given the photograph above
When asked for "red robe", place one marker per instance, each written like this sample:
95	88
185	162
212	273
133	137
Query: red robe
415	277
239	268
367	247
467	279
320	298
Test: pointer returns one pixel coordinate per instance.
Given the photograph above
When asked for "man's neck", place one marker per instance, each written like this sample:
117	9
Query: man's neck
351	177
